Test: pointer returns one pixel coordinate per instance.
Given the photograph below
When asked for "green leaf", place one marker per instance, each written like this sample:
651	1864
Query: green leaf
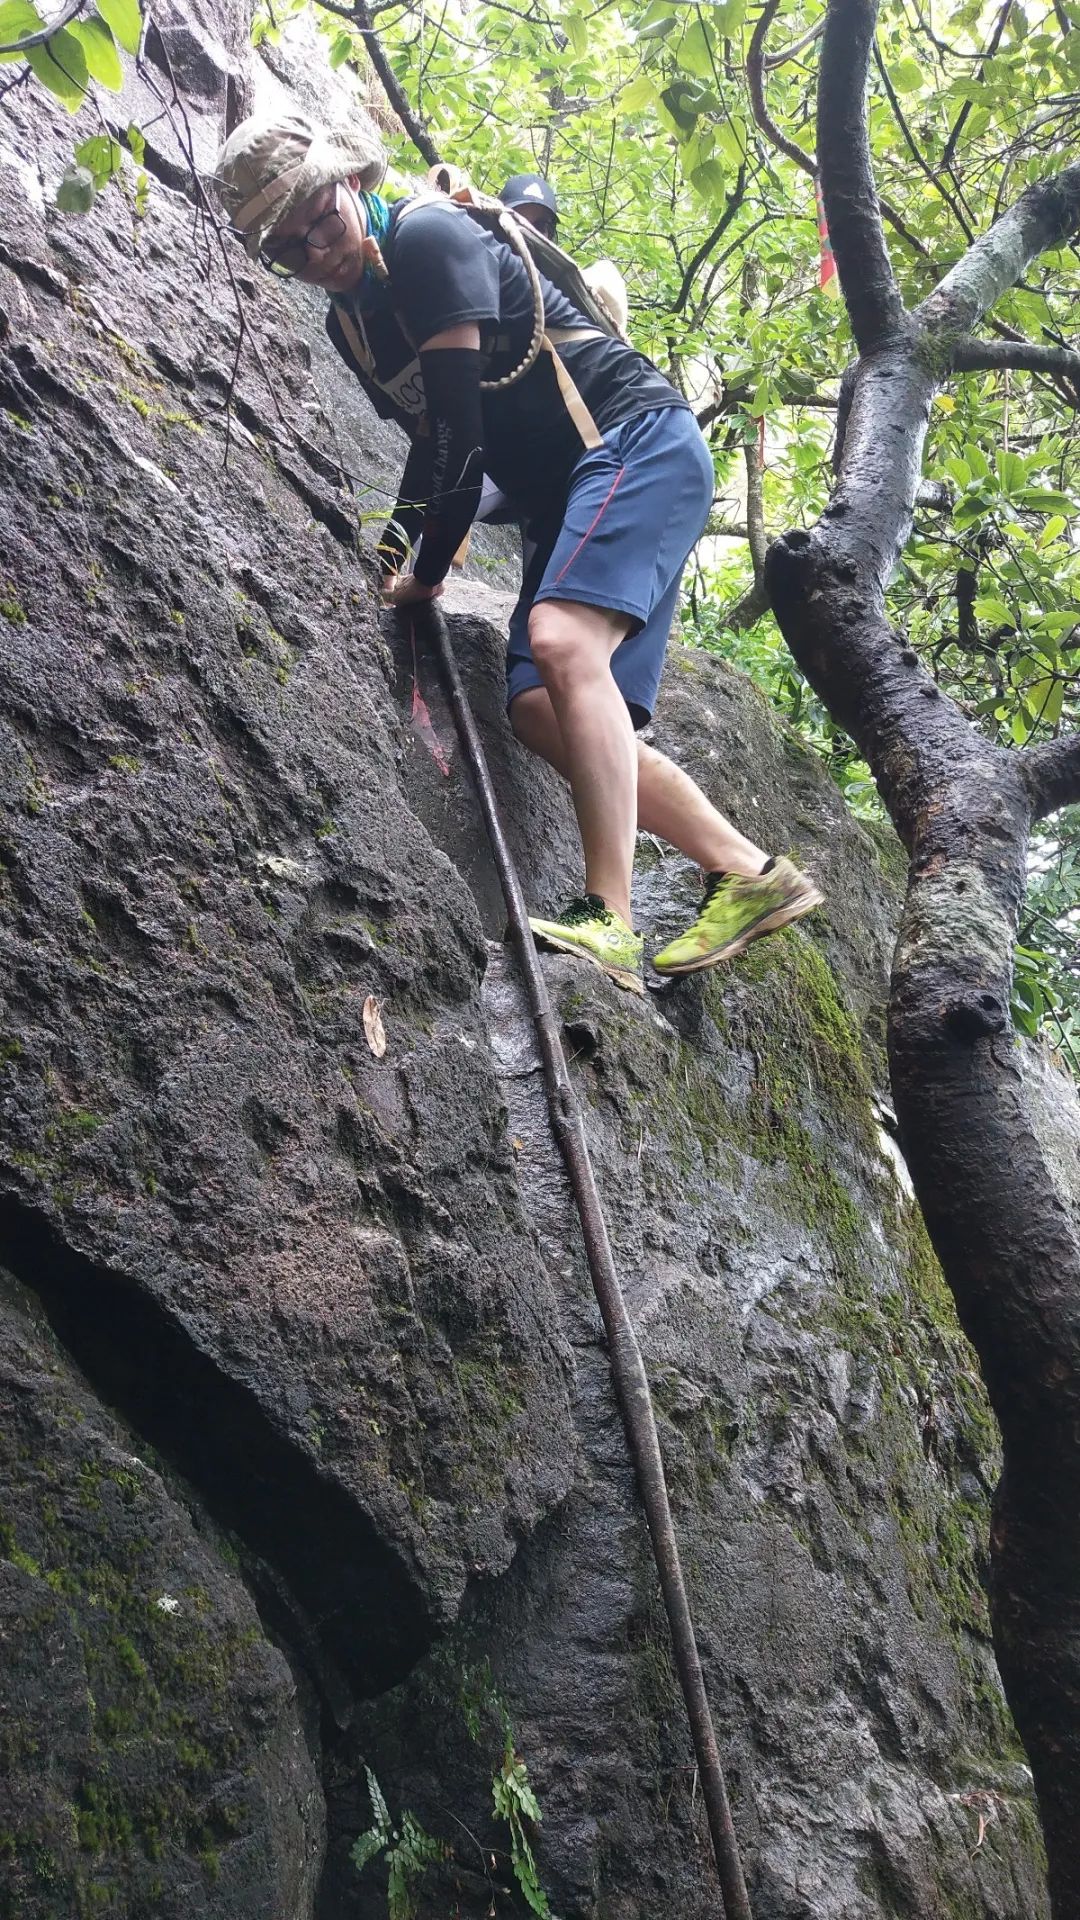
366	1847
685	99
729	143
136	143
17	19
76	194
658	29
709	179
378	1805
102	58
1061	620
1011	472
970	512
907	76
102	155
674	99
578	32
340	50
988	608
694	52
398	1900
1051	530
1046	698
798	385
977	461
60	65
1044	500
640	93
728	18
958	469
125	19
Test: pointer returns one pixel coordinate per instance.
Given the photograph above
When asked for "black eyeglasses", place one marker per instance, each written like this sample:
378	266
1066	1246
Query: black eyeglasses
290	256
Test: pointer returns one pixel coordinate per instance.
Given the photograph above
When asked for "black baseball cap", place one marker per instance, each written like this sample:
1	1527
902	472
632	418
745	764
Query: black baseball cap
530	190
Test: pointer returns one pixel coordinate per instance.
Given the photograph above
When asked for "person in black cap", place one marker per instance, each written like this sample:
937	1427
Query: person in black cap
532	199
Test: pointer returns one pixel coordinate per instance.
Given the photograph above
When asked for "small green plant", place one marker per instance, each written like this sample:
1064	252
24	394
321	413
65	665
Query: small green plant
515	1802
11	608
407	1850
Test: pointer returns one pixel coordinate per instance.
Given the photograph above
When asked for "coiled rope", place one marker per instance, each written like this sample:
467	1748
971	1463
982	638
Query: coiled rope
627	1366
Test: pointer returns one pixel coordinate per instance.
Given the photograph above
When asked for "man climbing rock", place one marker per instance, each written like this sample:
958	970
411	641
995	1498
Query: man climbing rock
439	318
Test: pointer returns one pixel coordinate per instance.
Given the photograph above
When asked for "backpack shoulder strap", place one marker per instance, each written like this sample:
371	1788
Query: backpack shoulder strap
493	217
498	220
356	341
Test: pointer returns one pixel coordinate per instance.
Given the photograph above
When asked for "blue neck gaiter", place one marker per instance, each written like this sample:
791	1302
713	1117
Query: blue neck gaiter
365	294
378	215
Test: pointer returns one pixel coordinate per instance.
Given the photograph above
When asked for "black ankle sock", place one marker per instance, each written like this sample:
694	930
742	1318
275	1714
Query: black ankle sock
721	873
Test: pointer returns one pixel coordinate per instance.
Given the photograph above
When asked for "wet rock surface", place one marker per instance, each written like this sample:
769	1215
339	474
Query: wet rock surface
154	1751
209	867
339	1289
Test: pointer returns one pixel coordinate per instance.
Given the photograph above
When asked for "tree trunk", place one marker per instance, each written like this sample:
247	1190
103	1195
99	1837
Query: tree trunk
963	808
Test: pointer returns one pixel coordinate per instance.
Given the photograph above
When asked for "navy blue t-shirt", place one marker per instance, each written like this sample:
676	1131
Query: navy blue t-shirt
446	271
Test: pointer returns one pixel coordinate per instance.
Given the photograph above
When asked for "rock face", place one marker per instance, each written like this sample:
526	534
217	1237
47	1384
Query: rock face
155	1757
338	1290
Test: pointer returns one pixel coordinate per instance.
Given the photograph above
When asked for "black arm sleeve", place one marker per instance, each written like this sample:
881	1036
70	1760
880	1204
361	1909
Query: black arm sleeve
403	530
452	391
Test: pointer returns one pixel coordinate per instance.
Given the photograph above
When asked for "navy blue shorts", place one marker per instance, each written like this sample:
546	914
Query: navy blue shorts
635	509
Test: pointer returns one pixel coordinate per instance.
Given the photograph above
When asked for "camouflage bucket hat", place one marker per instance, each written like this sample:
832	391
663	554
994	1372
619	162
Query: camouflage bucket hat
268	167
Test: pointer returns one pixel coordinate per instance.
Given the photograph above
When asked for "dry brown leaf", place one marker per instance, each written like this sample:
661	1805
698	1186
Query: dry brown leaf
373	1026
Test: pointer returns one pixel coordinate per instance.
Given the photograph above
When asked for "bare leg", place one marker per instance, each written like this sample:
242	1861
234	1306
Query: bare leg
670	804
572	646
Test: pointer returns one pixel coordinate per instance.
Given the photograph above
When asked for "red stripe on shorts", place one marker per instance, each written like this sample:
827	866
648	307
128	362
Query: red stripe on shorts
591	528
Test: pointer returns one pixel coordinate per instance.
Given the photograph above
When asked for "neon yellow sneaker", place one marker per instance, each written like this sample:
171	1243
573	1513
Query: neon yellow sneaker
589	929
735	911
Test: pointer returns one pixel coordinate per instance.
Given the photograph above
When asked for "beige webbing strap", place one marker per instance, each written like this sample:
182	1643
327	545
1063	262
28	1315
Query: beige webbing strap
588	432
356	342
274	191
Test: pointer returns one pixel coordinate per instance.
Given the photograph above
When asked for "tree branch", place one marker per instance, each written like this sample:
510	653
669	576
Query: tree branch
71	12
983	356
755	65
921	162
392	86
749	607
900	226
1052	775
873	299
731	208
961	118
773	60
1043	217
